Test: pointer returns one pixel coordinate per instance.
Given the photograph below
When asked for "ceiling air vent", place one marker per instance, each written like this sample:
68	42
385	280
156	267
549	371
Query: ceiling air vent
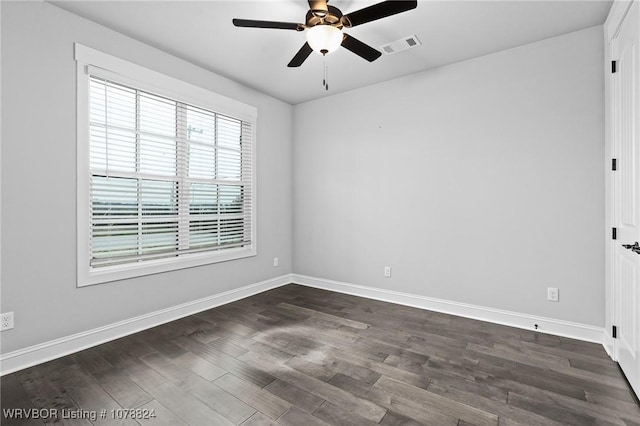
400	45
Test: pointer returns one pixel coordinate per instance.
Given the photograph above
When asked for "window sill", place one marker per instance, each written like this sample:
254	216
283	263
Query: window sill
121	272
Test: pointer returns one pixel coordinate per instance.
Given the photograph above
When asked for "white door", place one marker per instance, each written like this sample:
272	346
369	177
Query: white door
626	193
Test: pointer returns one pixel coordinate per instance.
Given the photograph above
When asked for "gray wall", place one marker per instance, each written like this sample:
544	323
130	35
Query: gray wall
480	182
39	183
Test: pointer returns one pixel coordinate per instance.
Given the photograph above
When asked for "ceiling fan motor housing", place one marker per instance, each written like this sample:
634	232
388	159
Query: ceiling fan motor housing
333	18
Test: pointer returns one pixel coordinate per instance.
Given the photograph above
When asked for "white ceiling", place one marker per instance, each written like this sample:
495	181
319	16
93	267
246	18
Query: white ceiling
201	32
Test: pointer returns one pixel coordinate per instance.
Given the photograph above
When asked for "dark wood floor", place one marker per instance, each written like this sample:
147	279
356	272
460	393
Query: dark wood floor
301	356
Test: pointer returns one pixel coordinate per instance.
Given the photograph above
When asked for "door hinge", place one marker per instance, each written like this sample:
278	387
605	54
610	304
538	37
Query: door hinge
614	164
614	332
613	67
614	233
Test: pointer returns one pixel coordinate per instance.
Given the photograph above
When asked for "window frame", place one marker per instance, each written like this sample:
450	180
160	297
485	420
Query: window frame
93	62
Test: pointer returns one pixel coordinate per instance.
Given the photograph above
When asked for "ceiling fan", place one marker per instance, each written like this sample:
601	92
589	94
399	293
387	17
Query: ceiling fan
323	27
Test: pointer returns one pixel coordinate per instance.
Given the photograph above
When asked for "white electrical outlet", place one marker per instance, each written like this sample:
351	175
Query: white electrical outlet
6	321
387	271
275	262
552	294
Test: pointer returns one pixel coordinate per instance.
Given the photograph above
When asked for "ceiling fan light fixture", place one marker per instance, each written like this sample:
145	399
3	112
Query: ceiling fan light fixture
324	38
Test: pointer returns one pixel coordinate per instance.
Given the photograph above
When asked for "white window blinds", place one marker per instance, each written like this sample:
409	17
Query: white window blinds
168	179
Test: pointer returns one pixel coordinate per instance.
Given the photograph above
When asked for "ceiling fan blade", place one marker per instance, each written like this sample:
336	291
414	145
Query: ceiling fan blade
359	48
250	23
377	11
300	57
319	8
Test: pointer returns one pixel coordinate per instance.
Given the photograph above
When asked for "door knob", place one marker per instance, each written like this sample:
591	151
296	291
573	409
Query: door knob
634	248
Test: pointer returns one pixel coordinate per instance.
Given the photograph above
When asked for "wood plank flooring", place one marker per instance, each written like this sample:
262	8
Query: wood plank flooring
302	356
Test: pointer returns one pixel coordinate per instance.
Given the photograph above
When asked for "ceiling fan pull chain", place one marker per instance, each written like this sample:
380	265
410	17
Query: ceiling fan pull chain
325	73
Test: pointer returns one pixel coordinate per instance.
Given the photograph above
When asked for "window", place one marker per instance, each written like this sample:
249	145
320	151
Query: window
164	182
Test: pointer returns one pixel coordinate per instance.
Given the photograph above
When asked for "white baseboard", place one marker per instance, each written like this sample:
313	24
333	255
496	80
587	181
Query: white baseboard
43	352
557	327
